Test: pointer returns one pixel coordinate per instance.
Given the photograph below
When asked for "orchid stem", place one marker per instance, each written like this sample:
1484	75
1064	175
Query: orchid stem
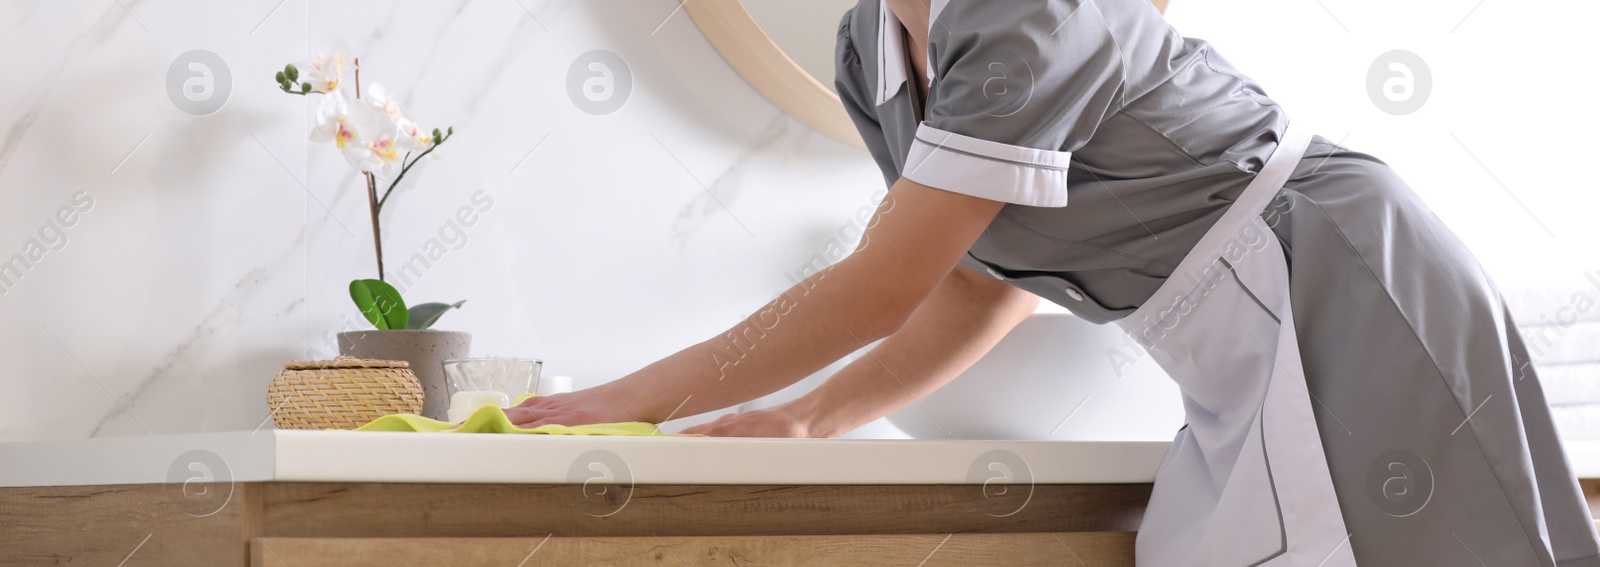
377	233
373	204
403	169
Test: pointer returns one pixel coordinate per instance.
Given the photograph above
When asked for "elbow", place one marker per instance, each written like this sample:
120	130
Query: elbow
882	318
874	305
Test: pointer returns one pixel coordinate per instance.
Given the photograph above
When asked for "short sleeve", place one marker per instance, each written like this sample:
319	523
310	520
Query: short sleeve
1018	86
850	82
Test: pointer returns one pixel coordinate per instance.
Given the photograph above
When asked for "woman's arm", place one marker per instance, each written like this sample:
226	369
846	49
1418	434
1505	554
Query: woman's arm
965	317
913	243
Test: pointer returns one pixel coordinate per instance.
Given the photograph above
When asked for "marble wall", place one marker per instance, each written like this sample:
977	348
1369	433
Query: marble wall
1486	119
178	259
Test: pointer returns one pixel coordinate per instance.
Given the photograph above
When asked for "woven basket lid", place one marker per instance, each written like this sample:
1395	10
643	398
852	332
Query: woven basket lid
345	362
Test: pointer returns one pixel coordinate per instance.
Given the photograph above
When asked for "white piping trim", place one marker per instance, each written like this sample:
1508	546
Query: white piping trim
1048	159
988	170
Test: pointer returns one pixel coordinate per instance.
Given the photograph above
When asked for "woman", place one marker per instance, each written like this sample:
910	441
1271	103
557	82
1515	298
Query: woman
1354	388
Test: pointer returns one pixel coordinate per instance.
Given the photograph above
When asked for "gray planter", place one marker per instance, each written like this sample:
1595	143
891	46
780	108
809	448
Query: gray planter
425	349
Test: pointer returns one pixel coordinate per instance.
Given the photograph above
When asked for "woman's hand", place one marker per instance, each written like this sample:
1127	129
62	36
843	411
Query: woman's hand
583	407
779	421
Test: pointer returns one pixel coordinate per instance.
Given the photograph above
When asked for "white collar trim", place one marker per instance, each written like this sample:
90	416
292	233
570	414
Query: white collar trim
891	49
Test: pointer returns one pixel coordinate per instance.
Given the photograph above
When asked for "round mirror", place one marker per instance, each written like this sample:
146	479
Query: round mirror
784	48
806	31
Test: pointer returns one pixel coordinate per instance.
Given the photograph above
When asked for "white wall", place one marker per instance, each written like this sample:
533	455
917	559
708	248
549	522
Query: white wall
1501	147
202	264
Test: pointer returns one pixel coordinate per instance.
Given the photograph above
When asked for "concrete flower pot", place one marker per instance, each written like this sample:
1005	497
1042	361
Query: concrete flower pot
425	349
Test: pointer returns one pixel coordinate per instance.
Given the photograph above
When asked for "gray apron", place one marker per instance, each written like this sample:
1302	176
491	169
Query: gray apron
1249	464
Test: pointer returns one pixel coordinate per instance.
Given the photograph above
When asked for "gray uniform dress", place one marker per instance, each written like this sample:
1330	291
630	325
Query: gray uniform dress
1395	371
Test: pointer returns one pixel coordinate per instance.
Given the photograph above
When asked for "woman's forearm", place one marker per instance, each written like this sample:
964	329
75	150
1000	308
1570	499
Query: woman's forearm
814	323
964	318
912	243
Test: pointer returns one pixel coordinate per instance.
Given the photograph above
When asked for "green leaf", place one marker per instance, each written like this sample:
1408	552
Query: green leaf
380	303
291	72
425	315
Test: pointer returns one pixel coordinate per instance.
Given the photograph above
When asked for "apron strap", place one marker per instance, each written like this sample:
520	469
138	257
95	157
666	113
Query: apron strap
1291	147
1254	199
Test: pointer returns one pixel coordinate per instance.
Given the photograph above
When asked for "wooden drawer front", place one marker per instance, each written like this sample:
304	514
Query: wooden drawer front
323	510
1088	549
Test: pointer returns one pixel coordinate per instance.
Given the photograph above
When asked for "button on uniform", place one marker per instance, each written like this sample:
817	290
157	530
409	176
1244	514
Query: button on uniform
1073	293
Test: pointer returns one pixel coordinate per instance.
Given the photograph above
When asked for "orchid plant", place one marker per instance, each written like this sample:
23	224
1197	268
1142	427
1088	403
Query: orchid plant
377	138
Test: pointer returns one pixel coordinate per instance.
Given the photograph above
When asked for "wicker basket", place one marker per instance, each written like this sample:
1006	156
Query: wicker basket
343	393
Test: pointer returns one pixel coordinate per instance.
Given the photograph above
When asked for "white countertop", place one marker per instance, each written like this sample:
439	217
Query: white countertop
350	456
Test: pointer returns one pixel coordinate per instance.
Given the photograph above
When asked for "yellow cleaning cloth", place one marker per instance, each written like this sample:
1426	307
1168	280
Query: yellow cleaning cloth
490	419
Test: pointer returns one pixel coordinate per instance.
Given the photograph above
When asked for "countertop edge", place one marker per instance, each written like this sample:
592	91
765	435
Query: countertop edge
380	457
377	457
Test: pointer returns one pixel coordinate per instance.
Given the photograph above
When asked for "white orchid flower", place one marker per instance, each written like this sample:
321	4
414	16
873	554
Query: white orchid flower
414	138
335	122
380	97
368	139
380	152
326	72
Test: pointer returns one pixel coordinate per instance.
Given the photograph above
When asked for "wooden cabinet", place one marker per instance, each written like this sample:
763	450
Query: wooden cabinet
291	524
306	524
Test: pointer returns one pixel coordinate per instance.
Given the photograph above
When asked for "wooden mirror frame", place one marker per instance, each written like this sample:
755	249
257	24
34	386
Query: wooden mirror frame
753	54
